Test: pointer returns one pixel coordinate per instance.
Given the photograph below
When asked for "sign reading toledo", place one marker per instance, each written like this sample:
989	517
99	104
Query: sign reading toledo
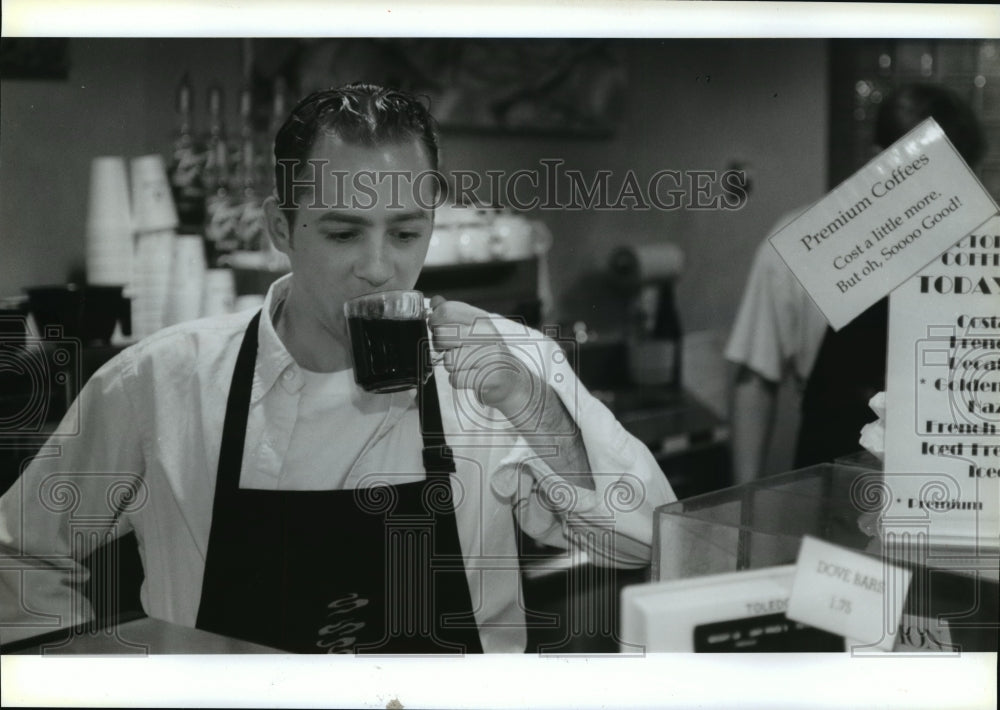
879	227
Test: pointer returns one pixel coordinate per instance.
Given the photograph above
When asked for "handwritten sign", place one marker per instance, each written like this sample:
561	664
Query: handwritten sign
883	224
847	593
942	431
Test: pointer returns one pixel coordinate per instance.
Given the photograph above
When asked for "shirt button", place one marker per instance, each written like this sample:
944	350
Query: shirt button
288	374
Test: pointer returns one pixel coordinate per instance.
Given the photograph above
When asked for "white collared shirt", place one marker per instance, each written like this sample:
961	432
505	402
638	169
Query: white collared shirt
139	450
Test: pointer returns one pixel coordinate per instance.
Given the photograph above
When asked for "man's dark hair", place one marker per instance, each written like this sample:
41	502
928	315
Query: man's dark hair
909	105
359	113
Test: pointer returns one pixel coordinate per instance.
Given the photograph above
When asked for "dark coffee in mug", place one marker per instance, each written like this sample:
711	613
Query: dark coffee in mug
389	340
390	354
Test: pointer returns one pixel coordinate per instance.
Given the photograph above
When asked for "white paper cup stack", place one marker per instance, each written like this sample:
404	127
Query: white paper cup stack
154	219
152	204
151	287
110	246
187	279
220	292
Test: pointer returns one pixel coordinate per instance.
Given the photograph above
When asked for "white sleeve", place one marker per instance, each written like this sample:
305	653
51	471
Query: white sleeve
613	522
73	497
777	323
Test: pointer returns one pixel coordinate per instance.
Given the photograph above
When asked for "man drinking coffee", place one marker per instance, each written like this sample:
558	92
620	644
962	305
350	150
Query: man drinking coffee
276	500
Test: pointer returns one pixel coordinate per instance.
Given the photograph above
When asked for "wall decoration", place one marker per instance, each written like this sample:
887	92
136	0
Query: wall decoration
542	86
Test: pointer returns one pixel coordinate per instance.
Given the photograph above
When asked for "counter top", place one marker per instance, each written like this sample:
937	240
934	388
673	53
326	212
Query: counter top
668	421
132	635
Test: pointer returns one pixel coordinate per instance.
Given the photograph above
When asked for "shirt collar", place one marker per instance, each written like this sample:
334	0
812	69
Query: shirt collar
275	363
273	359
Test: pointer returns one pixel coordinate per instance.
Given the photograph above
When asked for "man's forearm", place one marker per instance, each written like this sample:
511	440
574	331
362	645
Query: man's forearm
552	428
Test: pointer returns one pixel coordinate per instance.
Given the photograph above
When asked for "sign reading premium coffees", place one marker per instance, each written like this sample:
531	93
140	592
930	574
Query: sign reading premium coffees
884	223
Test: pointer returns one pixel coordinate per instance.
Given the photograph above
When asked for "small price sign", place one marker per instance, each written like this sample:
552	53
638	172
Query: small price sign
847	593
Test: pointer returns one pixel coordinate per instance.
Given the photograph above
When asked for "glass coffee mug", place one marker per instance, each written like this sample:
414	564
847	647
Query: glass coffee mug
389	340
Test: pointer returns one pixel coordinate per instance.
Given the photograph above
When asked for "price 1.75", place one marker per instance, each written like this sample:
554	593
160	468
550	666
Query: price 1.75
840	604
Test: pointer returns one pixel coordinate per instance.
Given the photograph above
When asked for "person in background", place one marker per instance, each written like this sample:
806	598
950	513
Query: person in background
776	336
779	332
276	501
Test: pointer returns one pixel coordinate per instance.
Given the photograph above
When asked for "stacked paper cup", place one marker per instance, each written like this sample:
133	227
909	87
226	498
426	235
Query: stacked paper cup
220	292
155	219
187	281
153	207
109	240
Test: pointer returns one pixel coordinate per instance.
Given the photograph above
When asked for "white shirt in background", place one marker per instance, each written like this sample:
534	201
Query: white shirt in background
777	325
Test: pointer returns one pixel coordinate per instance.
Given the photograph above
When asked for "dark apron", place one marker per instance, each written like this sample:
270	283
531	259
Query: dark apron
849	371
376	570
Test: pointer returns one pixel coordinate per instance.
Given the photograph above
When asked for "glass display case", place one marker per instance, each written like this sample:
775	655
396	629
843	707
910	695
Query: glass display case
761	525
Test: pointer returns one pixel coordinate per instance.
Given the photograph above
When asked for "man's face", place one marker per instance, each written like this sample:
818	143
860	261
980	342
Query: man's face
368	234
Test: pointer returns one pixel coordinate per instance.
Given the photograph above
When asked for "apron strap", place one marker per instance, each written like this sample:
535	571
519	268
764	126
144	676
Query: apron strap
437	455
227	479
234	428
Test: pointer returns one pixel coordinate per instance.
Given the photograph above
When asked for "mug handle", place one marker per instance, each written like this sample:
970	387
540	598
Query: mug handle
434	359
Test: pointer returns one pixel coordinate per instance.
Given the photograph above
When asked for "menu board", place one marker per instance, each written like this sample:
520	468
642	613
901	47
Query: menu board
942	446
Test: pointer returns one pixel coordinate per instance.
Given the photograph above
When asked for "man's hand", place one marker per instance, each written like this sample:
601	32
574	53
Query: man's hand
477	359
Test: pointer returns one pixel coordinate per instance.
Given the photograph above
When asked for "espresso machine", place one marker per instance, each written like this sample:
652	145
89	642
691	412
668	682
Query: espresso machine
646	274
